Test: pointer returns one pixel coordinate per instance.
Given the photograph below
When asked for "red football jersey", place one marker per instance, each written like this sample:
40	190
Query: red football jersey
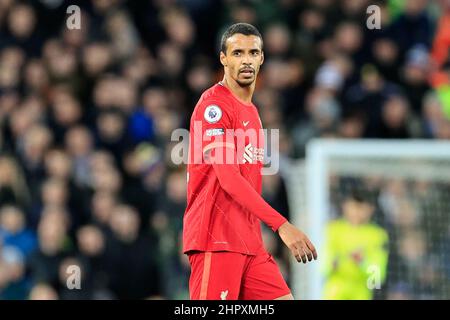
215	220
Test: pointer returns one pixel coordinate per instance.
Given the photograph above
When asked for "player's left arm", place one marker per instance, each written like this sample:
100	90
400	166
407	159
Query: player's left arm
234	184
220	151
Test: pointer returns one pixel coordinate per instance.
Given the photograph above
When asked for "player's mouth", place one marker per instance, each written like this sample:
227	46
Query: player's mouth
247	72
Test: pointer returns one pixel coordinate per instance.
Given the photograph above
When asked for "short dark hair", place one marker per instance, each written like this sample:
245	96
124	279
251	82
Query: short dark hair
242	28
359	196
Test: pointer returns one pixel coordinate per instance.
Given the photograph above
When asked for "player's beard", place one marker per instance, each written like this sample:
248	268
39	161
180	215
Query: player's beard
244	84
246	81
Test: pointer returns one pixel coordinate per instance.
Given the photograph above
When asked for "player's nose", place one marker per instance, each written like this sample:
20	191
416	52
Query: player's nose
246	61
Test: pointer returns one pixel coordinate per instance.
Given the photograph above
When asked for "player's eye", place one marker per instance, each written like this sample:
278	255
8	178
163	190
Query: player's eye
236	53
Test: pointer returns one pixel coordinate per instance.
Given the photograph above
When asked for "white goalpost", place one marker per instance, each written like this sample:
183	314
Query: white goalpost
410	181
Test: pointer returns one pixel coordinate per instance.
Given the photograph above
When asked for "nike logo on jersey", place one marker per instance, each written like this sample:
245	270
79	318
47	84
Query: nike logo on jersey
245	123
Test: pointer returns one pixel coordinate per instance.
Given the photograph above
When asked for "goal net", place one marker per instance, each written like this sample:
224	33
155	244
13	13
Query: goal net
403	189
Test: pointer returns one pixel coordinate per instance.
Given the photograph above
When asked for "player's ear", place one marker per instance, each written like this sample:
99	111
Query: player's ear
223	59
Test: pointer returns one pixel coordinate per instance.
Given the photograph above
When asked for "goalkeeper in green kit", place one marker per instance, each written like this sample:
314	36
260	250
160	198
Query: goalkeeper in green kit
356	253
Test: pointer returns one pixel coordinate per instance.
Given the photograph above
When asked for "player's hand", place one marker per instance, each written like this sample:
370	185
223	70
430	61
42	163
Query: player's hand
299	244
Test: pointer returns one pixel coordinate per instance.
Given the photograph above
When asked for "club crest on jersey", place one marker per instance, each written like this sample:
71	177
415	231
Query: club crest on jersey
213	113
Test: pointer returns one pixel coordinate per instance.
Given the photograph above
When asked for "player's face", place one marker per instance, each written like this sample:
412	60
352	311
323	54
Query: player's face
243	58
357	212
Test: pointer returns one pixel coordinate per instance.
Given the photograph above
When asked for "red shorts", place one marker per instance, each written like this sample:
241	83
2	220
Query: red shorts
235	276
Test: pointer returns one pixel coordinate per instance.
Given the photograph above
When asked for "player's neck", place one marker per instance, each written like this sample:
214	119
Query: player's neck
244	94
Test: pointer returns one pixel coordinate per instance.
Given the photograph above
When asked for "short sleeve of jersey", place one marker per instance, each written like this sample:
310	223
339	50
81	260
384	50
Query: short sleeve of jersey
213	125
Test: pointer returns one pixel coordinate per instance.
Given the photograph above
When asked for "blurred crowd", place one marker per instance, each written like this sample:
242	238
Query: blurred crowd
86	117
